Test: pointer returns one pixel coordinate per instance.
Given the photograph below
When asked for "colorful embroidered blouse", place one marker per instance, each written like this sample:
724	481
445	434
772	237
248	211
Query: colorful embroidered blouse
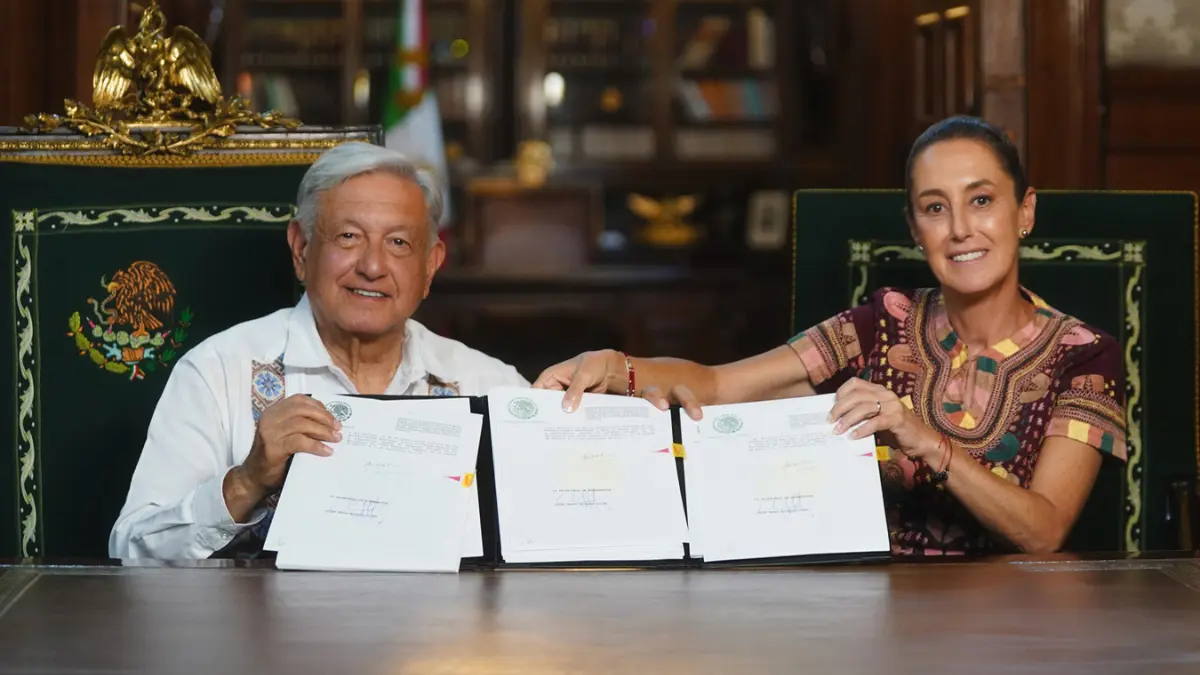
1054	377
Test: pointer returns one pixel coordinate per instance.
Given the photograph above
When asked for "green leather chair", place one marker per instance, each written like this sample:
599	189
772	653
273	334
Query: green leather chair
1122	261
117	266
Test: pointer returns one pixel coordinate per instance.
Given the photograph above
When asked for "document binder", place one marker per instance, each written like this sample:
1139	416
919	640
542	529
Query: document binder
493	555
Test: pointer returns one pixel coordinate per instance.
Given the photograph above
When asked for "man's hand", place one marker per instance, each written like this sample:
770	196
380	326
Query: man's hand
299	423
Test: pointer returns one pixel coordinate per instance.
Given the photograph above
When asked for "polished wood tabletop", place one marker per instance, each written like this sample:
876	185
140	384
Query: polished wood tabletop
1013	615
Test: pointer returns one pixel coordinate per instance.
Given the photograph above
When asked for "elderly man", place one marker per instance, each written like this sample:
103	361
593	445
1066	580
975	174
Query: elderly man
240	404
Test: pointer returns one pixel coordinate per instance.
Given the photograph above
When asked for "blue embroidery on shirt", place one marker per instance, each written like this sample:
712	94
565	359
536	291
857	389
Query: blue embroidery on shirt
267	385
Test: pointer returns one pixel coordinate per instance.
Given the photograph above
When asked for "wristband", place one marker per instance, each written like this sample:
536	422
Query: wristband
631	384
942	474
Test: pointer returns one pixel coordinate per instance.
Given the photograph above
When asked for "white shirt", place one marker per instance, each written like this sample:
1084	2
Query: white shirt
204	422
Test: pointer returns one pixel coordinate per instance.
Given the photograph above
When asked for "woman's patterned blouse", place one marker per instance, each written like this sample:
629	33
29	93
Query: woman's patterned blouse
1055	377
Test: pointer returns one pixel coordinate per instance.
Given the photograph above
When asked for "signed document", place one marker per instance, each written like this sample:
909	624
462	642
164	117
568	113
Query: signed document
598	484
770	480
397	494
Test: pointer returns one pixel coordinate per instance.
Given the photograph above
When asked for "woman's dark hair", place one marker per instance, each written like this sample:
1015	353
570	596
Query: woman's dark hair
975	129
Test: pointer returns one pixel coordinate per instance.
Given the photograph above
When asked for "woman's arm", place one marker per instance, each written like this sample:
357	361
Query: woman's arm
778	373
1089	406
794	369
1036	520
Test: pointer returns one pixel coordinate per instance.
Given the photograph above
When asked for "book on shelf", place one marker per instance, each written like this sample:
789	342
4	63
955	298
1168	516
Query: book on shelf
747	99
701	46
725	145
718	38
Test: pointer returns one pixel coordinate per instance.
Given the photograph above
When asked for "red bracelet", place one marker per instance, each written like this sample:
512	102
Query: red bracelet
942	474
945	455
631	385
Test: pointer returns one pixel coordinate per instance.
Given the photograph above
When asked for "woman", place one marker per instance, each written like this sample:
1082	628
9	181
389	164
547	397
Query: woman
999	405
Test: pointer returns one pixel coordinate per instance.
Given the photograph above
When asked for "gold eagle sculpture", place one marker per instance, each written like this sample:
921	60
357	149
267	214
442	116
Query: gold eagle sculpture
160	67
666	225
155	93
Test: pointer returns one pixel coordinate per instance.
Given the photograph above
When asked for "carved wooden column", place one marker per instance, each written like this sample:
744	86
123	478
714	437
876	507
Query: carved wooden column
1002	67
1065	114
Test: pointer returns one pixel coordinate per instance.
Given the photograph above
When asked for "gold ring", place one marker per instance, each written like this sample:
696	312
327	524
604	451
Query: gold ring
878	408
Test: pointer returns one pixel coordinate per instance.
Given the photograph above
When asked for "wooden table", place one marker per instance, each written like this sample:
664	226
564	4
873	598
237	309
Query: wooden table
1015	615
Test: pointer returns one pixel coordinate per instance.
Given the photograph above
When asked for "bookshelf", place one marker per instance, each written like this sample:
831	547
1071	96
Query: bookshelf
725	103
595	67
328	62
732	101
682	90
665	91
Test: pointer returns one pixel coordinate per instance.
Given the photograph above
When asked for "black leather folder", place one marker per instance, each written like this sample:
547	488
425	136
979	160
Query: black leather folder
493	554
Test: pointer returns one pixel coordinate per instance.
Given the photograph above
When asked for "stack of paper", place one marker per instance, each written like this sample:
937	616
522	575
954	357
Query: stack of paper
397	494
771	480
598	484
764	480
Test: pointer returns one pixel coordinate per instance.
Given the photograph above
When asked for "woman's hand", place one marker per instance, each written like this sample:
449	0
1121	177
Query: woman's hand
598	372
880	412
605	372
678	394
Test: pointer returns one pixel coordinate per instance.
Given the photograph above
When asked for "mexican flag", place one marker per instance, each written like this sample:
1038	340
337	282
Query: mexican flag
411	121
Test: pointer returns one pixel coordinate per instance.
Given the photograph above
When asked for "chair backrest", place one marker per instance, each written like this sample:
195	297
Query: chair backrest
118	265
1124	262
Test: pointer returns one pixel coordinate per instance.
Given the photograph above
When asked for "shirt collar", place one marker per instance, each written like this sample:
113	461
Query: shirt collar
304	348
424	352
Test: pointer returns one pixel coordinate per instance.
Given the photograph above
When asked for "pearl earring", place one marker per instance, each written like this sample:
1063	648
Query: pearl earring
1024	233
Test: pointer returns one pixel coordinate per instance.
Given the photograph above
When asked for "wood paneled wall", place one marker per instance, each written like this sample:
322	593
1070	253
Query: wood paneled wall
1152	139
48	51
1080	124
36	57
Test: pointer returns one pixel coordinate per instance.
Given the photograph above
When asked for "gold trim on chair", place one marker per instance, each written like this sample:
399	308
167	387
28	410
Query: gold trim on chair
252	148
1127	255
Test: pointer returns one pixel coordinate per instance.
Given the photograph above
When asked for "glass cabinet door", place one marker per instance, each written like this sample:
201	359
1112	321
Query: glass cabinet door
725	106
596	83
291	58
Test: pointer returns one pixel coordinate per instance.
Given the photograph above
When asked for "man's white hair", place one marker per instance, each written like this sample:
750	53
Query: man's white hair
347	160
